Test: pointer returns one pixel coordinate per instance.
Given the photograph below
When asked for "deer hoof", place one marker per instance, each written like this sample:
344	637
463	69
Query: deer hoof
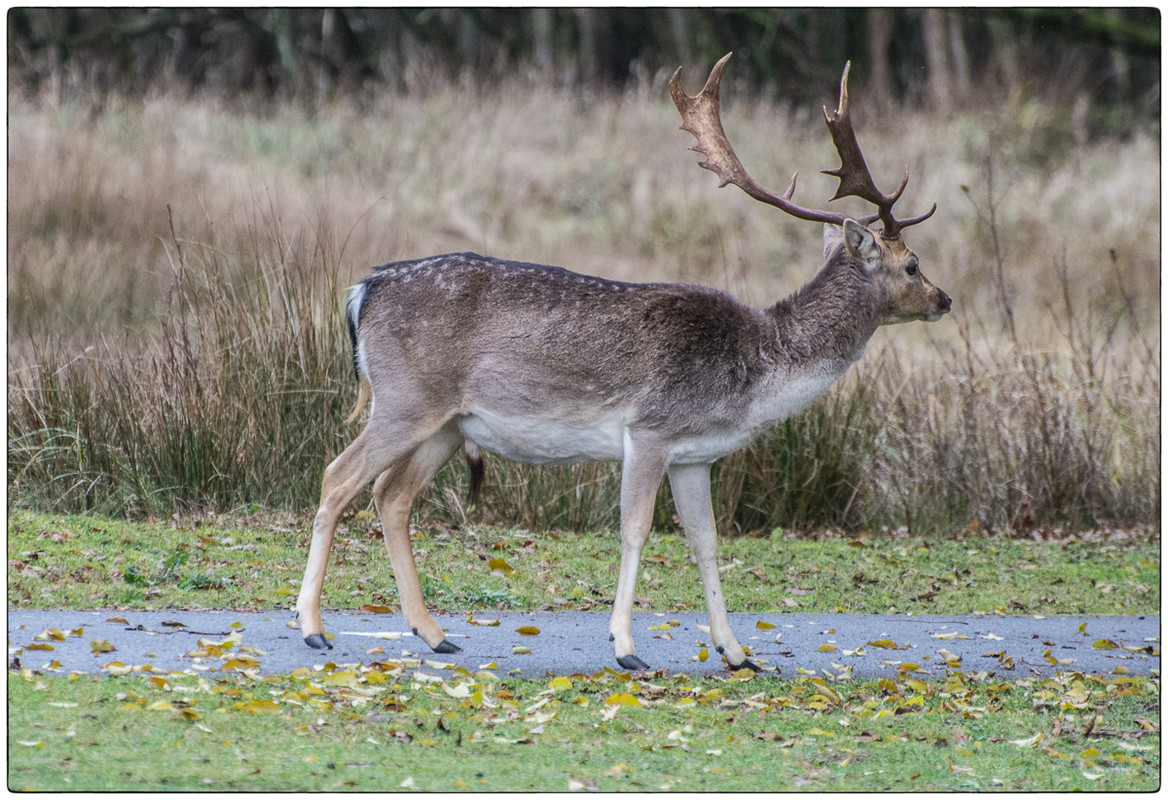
447	646
633	663
318	641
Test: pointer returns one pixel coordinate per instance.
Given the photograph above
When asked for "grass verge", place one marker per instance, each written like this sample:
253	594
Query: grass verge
257	562
381	728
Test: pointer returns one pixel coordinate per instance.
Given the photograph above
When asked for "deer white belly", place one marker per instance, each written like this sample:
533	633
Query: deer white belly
535	440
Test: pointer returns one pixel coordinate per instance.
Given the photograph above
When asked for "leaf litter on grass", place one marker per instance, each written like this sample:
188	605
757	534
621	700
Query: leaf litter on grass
1079	725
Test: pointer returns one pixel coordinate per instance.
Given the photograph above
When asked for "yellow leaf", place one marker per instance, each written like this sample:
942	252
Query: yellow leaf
763	625
885	644
342	678
1105	644
486	623
499	565
257	707
826	648
527	630
703	654
39	646
1030	741
99	646
622	699
559	683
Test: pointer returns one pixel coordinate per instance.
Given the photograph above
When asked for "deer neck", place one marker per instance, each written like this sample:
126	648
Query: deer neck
827	323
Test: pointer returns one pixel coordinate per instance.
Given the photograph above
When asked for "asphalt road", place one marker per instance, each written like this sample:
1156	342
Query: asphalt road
572	642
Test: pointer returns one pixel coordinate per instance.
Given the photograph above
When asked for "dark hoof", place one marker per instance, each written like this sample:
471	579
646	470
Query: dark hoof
447	646
746	664
633	663
318	641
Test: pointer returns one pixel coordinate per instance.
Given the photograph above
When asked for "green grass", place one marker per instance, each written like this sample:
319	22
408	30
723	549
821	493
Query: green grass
257	562
378	728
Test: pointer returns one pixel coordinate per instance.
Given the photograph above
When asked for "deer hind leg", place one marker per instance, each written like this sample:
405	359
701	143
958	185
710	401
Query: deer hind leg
640	478
394	493
691	496
376	450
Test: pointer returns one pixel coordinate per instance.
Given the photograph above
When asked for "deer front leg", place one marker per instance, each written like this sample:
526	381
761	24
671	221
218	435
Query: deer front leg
691	496
640	477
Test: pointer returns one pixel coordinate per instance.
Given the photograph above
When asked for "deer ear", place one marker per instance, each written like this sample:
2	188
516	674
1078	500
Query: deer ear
833	237
861	244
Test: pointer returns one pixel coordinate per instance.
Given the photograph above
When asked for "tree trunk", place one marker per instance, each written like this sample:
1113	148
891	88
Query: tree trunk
879	39
939	77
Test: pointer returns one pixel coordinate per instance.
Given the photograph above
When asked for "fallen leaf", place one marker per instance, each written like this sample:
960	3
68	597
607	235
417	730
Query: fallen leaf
527	630
622	699
1030	741
371	609
257	707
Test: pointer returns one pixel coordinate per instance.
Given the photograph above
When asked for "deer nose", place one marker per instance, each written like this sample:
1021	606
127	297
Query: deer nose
946	302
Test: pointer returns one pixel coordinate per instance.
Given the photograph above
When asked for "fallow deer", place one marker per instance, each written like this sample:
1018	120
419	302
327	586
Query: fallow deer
545	366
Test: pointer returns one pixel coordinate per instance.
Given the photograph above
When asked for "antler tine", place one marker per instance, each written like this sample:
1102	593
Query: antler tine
854	177
701	115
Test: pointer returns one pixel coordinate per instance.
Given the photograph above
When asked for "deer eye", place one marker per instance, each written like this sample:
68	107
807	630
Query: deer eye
912	269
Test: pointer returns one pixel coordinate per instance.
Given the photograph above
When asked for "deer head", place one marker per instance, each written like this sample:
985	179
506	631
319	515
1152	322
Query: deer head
895	268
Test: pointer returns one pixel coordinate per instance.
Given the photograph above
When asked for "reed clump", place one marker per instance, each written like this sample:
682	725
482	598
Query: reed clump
177	271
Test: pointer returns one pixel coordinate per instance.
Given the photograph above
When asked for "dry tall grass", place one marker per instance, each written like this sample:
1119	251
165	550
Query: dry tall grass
176	270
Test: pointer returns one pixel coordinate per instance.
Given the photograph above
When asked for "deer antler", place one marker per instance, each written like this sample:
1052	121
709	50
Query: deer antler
854	177
701	116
